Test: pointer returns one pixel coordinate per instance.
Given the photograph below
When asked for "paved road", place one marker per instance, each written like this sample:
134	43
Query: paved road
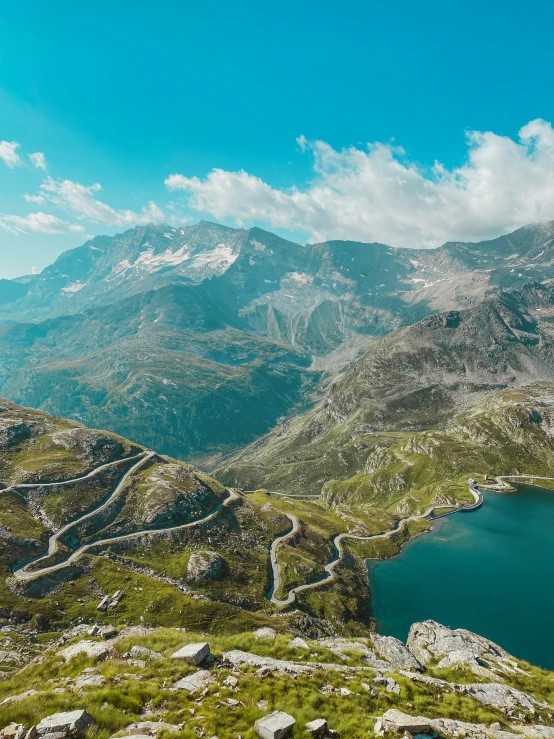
329	568
95	471
23	574
501	485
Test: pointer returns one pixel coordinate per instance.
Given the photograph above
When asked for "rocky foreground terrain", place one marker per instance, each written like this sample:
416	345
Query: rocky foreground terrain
100	681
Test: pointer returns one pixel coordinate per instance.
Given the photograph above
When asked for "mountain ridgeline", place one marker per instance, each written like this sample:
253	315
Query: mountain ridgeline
198	340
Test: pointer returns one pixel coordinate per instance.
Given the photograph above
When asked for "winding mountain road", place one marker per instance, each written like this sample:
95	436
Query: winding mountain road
92	473
501	484
24	574
329	568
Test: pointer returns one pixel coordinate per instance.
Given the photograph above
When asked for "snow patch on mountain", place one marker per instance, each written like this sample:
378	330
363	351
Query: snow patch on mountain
222	256
74	287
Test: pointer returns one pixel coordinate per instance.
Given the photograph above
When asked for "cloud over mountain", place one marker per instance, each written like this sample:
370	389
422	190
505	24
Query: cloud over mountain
377	194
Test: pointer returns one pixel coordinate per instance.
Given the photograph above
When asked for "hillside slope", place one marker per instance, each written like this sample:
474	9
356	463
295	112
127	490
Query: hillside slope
417	379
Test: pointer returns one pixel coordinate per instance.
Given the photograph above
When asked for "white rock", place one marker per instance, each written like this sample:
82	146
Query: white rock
237	657
500	696
13	731
90	681
193	654
430	641
395	652
231	681
395	720
19	697
299	643
73	723
95	649
276	725
138	652
150	728
265	633
194	682
317	728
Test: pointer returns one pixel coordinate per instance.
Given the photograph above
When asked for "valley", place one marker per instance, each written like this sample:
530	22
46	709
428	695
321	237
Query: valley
278	416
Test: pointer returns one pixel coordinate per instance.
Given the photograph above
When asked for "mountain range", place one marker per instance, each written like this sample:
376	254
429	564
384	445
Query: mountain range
198	340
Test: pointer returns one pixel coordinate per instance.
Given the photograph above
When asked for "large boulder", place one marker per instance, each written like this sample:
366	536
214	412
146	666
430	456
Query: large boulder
206	565
70	723
138	652
429	642
276	725
193	654
398	722
95	649
395	652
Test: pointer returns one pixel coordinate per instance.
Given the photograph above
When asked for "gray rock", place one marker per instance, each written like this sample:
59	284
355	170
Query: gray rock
299	643
237	657
138	652
341	646
396	721
276	725
70	723
429	641
394	651
14	731
90	681
193	683
391	686
94	649
453	728
193	654
206	565
18	697
317	729
265	633
500	696
150	728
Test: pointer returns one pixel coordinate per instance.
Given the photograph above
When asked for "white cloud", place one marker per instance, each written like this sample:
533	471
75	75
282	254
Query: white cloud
376	194
38	160
79	199
38	223
8	153
34	198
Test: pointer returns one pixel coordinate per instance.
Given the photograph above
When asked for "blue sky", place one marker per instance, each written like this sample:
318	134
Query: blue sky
263	114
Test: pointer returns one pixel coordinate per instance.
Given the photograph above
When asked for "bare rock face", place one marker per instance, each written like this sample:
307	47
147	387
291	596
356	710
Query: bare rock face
503	697
429	641
70	723
206	565
394	651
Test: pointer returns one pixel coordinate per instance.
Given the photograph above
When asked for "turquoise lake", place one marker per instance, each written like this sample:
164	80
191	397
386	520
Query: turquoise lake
490	571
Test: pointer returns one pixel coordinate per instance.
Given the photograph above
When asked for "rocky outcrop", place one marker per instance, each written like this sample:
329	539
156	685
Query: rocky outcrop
394	651
432	642
206	565
505	698
94	649
70	723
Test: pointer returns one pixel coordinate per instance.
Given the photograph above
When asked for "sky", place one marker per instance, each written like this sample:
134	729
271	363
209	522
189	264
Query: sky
406	123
